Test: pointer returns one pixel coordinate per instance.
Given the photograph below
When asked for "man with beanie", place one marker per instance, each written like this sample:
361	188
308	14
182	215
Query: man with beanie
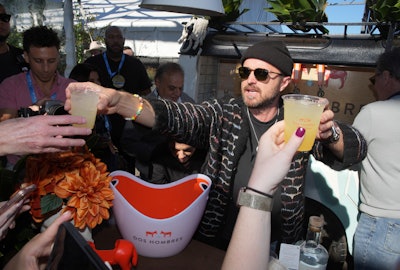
230	130
265	72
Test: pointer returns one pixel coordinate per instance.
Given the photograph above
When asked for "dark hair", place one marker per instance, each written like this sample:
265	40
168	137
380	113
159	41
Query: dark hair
169	67
40	36
390	61
81	72
112	28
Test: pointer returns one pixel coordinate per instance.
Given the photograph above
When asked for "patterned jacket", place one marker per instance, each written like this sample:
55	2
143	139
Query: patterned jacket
222	125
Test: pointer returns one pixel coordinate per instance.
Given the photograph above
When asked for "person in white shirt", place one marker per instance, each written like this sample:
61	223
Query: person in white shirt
376	240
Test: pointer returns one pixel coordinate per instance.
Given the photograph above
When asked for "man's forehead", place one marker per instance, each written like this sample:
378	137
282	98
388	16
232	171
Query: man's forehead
40	52
114	31
115	34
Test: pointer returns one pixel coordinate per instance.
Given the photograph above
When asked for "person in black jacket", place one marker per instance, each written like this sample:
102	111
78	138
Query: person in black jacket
11	58
174	161
120	71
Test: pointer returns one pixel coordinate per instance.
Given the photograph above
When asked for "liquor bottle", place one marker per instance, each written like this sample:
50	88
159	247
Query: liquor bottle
313	255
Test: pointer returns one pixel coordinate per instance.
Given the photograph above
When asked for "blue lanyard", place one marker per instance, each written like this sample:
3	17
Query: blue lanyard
112	74
32	91
107	123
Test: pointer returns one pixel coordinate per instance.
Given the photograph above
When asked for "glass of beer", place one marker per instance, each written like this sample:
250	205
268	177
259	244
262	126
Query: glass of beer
84	103
303	111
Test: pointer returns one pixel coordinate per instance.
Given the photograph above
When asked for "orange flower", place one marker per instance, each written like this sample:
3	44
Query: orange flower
74	179
89	195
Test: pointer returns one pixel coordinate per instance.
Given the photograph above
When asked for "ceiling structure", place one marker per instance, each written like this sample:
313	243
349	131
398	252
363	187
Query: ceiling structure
345	49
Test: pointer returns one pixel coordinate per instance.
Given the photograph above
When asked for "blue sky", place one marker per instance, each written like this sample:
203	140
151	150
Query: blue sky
341	13
338	11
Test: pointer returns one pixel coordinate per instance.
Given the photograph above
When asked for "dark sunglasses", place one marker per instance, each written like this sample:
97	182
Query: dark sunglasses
260	73
373	78
5	17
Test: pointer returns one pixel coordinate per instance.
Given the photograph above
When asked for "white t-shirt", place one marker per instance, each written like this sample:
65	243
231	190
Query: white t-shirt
379	123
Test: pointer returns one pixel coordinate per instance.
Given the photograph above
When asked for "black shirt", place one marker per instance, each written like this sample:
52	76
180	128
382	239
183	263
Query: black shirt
12	62
241	180
136	80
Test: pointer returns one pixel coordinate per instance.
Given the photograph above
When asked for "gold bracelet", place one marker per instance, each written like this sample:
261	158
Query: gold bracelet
139	110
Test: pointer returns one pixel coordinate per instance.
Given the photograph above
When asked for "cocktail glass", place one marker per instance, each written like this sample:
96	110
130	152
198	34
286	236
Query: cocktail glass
303	111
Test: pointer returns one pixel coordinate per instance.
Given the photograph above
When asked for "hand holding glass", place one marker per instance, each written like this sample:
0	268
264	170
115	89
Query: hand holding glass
303	111
84	103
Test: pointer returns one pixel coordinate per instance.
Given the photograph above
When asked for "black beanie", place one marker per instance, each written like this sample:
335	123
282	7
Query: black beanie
273	52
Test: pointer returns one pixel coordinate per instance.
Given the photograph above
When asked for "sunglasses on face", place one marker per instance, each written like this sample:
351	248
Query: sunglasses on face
5	17
260	73
373	78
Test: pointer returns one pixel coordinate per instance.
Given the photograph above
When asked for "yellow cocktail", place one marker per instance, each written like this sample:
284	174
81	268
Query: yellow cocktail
84	103
303	111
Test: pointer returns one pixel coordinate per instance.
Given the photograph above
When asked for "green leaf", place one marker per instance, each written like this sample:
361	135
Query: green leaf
303	4
300	11
50	203
232	12
385	10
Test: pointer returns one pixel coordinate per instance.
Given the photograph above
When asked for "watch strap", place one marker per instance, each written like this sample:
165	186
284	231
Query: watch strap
254	201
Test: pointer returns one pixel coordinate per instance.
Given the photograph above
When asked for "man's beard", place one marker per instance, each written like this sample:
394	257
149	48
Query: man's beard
3	38
264	103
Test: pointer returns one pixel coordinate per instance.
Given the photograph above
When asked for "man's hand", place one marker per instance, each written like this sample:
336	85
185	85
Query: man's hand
41	134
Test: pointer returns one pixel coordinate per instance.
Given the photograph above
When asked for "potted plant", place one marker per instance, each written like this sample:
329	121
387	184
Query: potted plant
232	12
386	13
299	12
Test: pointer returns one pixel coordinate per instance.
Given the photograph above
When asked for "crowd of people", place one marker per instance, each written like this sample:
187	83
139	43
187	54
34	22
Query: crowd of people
237	142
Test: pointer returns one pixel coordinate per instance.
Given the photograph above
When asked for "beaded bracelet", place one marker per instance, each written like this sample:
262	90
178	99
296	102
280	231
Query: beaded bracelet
259	192
139	110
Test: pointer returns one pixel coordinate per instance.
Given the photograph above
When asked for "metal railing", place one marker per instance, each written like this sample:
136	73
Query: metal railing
371	27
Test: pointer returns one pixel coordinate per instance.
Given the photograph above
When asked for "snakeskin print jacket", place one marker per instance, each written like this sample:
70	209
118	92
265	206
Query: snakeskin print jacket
222	125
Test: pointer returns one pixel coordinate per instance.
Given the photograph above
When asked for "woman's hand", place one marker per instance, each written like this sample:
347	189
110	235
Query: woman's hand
274	157
250	243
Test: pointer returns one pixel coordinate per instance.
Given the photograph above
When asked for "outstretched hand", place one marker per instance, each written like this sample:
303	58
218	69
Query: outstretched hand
274	157
109	98
250	243
41	134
